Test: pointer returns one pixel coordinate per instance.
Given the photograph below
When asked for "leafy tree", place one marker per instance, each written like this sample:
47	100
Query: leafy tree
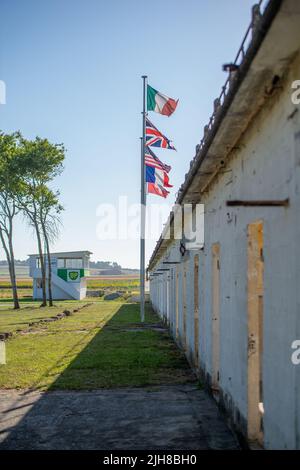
8	207
38	163
49	210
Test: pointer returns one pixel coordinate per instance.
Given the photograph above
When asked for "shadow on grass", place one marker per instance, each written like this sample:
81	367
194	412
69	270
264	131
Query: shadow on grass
21	300
112	351
124	353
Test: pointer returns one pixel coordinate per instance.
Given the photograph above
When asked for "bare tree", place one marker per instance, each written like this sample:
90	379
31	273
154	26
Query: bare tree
8	211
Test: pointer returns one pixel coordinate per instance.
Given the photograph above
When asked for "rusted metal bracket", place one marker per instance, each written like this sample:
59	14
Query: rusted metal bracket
259	203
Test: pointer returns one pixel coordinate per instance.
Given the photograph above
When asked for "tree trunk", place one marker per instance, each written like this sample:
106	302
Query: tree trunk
43	270
11	267
13	273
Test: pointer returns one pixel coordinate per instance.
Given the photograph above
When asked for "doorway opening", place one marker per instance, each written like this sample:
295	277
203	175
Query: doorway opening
215	318
176	303
184	305
196	310
255	281
168	299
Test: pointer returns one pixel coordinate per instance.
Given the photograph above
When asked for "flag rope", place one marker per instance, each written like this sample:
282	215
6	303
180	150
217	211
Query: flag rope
143	205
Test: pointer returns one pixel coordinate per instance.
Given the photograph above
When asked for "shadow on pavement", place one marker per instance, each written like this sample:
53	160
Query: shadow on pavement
174	416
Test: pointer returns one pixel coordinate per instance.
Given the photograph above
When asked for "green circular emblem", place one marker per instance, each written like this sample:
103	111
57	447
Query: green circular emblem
73	275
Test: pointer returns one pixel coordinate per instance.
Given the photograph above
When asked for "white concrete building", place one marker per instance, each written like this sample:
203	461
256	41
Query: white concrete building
69	271
234	304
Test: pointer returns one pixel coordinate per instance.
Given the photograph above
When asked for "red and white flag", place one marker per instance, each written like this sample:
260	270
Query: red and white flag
154	188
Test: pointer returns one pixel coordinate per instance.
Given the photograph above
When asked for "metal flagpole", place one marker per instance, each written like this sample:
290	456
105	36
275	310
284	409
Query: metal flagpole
143	207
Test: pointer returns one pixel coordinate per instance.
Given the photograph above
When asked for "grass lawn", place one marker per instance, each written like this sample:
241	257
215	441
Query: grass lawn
11	320
97	347
107	285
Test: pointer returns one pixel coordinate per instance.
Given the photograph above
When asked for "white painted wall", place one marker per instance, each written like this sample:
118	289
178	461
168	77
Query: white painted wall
265	166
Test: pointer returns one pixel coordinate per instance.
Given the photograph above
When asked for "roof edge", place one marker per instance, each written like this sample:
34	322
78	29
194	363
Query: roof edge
259	29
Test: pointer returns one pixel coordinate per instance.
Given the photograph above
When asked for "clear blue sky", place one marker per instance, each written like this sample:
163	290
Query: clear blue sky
72	70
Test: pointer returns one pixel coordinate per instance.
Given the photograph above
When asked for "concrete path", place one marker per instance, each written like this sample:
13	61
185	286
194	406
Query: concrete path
180	417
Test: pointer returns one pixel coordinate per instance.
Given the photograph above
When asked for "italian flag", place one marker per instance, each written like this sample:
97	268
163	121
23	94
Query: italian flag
160	103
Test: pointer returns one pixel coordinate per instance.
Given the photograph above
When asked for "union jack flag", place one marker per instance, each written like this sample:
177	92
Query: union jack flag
155	138
152	160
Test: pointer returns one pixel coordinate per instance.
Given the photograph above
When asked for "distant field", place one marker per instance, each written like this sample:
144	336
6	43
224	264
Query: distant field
130	286
128	283
121	282
22	273
6	294
116	277
21	283
92	283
